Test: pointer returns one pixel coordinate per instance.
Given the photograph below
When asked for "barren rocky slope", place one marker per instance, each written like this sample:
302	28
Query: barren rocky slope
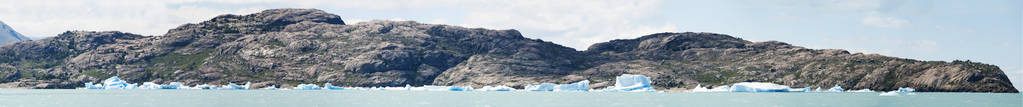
285	47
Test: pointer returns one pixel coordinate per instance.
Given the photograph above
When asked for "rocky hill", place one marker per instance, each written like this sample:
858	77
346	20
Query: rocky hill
285	47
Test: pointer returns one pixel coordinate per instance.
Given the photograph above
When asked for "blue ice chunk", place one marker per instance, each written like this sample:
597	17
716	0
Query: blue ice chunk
906	90
307	87
818	90
540	87
331	86
116	83
758	87
583	85
836	88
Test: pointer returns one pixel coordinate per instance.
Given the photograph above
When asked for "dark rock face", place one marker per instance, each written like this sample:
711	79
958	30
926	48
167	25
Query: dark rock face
285	47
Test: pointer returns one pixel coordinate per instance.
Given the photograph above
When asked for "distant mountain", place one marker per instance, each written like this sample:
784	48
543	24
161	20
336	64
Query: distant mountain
7	34
285	47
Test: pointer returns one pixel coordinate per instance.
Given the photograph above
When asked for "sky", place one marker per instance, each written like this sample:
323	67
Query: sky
987	31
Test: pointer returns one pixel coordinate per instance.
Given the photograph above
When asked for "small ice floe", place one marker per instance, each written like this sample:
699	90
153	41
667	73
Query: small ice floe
758	87
331	87
583	85
540	87
890	93
441	88
906	90
496	88
630	83
307	87
862	91
232	86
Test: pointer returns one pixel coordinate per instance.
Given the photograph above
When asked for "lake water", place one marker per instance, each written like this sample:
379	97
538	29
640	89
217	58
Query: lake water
292	98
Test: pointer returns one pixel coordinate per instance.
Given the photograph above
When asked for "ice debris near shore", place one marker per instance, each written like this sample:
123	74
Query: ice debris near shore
771	87
623	83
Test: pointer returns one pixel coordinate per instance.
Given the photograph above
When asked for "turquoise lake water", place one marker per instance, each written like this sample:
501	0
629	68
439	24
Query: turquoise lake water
348	98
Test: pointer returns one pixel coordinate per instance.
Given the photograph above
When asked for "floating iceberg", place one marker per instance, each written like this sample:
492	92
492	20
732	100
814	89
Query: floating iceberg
862	91
836	88
906	90
89	85
331	87
496	88
806	89
204	87
890	93
758	87
441	88
631	83
307	87
232	86
577	86
117	83
541	87
149	85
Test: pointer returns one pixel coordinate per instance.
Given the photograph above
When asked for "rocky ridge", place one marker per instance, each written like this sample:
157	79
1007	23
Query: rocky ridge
285	47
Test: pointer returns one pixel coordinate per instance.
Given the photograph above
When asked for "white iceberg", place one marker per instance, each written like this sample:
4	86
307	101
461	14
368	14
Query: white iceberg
232	86
890	93
89	85
307	87
540	87
173	85
758	87
806	89
862	91
149	85
631	83
836	88
441	88
497	88
577	86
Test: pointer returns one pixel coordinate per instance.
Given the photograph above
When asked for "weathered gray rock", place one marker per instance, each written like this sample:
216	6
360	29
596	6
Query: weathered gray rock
284	47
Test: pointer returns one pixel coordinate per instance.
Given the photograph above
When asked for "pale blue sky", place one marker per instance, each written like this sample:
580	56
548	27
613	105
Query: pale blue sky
987	31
